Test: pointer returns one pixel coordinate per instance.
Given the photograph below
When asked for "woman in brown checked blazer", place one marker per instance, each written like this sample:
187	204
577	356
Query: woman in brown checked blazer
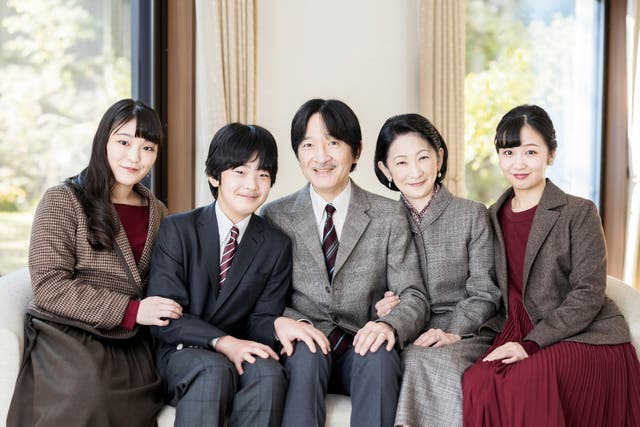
563	355
86	360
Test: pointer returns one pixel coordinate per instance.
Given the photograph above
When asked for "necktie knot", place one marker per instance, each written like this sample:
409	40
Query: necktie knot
234	233
330	209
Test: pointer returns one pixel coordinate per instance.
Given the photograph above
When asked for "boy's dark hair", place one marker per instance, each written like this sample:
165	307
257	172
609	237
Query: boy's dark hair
236	144
340	120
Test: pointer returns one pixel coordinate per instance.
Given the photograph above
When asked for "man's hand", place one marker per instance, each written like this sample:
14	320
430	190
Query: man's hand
510	352
372	336
238	351
386	304
436	338
289	331
157	311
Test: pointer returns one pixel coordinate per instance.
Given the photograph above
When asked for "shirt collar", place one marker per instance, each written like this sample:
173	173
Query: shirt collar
225	224
341	203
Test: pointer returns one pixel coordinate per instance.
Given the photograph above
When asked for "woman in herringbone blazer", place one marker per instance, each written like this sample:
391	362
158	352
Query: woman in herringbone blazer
562	356
87	361
454	240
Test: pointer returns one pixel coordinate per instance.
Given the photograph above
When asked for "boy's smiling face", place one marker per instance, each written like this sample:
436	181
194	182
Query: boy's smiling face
242	190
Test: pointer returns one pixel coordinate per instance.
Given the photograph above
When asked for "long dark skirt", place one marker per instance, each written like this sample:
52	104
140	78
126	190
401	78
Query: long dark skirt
70	377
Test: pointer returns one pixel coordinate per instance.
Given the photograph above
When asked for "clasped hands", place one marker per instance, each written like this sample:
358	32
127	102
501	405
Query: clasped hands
432	338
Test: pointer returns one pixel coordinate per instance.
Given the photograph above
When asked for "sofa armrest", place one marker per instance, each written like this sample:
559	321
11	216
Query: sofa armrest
15	294
628	301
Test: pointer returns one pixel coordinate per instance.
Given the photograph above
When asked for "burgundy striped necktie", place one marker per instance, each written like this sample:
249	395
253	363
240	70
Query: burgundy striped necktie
329	240
228	253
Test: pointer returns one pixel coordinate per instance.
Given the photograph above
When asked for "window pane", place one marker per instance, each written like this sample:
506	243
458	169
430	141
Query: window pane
544	52
62	63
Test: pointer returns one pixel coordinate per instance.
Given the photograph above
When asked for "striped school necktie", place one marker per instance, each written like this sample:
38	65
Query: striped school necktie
228	253
330	240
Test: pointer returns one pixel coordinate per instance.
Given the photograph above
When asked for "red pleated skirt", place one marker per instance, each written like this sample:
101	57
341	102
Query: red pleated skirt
565	384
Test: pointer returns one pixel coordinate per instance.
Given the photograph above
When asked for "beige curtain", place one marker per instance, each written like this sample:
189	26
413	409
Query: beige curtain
632	250
442	33
225	74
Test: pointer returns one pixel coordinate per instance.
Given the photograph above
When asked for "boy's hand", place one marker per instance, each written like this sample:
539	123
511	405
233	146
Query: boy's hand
238	351
386	304
289	331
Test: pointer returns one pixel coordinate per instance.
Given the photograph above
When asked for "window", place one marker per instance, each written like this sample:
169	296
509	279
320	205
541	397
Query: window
62	64
544	52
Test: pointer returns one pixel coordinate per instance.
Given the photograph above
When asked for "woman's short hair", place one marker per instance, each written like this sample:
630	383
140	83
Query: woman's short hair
236	144
340	120
508	130
401	125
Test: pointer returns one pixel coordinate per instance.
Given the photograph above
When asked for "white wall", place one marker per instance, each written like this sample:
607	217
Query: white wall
363	52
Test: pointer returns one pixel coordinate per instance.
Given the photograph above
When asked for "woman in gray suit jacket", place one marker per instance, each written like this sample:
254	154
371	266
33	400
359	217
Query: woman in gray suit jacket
87	360
454	240
562	356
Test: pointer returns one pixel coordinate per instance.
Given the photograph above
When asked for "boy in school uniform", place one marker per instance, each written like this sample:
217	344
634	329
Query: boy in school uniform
230	271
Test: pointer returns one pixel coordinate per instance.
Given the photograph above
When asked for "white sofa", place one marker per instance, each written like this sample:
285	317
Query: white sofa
15	293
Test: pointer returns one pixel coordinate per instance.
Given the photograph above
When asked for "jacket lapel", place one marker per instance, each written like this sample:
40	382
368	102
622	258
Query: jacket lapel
209	240
439	203
304	224
126	258
249	246
543	221
155	217
500	254
356	222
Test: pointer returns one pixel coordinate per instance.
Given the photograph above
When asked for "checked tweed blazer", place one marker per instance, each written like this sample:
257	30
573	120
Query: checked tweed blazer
376	254
73	283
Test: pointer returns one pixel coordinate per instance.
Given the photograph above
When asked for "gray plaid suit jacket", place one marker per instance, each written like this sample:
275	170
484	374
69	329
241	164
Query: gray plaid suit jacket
376	254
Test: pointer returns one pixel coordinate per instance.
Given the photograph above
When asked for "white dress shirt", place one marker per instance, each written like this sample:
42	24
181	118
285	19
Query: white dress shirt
341	203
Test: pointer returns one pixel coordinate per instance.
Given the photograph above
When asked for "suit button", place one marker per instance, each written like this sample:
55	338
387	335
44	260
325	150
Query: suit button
327	289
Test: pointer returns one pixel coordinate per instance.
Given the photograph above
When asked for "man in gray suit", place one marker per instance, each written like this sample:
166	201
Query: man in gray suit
349	247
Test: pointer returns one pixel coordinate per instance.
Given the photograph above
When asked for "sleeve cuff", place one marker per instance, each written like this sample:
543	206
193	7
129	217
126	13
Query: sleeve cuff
530	347
129	320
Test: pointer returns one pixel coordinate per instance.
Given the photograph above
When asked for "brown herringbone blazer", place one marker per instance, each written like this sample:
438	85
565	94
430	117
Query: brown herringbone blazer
565	273
75	284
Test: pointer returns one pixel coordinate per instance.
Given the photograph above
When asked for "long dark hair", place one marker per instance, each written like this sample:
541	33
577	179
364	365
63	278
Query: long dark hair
93	185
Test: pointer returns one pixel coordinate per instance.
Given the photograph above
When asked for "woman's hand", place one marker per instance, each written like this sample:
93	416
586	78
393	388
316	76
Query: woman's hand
386	304
436	338
510	352
157	311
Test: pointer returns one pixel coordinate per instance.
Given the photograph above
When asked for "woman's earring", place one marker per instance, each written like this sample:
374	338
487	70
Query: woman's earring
439	174
389	183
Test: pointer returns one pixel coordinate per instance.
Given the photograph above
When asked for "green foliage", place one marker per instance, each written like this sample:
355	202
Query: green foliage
57	76
508	64
11	198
